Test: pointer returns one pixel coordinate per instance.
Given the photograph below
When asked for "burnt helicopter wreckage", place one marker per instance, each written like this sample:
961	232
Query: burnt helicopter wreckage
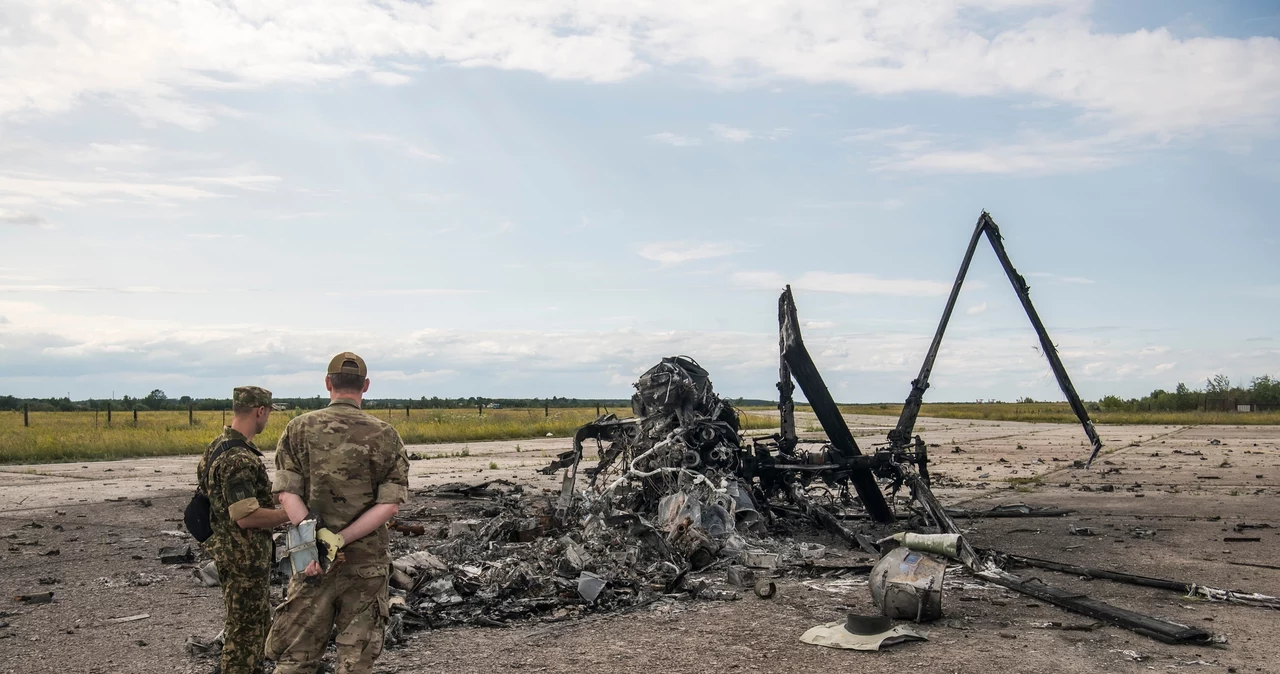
679	492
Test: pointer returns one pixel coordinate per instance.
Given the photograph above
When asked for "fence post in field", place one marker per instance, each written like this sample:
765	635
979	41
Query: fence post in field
135	416
108	414
191	414
481	409
224	417
546	409
597	409
406	411
26	420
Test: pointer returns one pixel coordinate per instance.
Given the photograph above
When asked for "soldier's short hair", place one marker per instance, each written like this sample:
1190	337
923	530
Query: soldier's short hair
347	381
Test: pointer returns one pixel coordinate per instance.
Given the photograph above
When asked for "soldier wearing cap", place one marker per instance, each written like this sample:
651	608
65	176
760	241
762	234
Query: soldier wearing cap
350	470
242	514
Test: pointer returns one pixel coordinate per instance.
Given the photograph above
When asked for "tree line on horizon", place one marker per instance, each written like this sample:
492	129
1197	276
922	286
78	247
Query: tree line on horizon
1218	393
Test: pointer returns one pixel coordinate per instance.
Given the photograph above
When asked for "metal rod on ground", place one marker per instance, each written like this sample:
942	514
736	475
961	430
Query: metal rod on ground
1233	596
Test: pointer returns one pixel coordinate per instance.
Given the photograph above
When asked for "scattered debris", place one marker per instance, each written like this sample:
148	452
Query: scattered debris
178	554
861	633
1008	510
40	598
205	649
907	585
207	574
1081	531
129	618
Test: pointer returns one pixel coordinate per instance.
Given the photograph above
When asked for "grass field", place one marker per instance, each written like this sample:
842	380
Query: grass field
1061	413
78	436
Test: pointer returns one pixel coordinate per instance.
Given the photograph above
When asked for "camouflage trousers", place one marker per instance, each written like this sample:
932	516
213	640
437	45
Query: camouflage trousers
248	618
351	600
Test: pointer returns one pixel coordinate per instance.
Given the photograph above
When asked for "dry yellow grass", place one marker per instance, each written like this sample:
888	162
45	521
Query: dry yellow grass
74	436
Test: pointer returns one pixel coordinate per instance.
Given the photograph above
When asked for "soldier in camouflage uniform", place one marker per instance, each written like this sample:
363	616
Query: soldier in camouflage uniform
242	514
350	470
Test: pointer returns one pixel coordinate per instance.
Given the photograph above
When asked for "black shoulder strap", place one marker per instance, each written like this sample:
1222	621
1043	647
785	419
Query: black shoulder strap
217	453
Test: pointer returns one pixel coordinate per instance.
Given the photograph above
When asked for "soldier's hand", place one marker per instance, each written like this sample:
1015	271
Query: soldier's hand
313	569
332	543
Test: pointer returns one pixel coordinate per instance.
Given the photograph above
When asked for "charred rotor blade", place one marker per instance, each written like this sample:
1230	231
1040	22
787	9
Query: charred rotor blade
901	434
1050	351
810	381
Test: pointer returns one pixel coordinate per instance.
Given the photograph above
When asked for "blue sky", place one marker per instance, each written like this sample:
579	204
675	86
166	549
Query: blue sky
545	198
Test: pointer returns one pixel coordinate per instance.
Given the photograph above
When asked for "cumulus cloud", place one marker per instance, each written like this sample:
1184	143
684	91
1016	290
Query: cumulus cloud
976	309
153	55
54	350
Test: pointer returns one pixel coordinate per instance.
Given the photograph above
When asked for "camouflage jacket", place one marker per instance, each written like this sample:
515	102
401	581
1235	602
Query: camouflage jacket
237	485
342	462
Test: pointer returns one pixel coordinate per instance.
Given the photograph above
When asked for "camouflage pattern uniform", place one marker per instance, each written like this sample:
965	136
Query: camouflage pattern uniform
341	462
237	486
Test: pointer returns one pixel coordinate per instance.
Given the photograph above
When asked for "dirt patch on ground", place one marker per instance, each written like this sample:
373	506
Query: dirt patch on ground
106	522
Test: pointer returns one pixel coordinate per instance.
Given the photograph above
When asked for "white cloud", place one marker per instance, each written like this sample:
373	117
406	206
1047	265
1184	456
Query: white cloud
730	133
847	283
35	188
112	153
736	135
25	218
255	183
152	56
389	79
677	252
976	309
1031	153
674	139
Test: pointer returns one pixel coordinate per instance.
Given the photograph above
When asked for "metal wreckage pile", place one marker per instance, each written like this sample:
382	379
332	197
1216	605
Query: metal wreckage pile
681	504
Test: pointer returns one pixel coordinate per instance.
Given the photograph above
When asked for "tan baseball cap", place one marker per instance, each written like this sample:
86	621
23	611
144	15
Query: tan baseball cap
348	363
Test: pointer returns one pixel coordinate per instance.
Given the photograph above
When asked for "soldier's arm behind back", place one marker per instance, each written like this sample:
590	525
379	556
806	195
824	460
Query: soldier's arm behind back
394	486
